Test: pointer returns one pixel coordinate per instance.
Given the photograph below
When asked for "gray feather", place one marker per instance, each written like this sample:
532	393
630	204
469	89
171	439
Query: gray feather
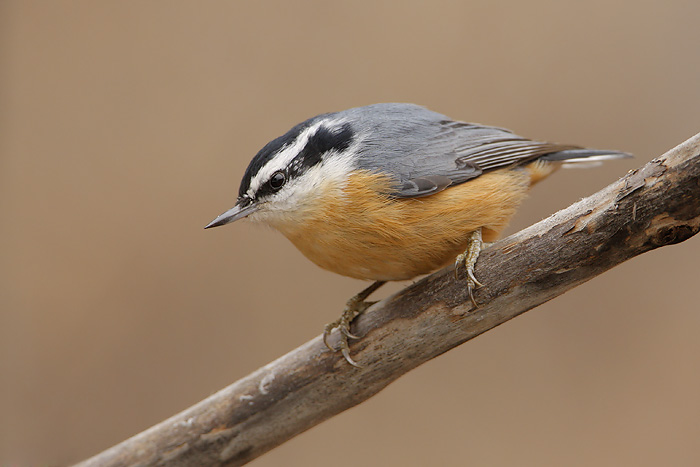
426	151
416	187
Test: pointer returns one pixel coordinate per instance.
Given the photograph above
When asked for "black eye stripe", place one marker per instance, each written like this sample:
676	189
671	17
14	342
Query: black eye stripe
268	152
324	140
328	139
273	184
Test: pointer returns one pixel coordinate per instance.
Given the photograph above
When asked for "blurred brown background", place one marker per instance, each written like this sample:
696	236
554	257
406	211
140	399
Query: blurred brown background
126	126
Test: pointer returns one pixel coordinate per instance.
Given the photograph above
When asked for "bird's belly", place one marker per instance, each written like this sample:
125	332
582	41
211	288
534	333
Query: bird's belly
361	234
370	258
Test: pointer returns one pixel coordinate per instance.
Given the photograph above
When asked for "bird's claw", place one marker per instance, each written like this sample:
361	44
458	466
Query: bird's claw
468	260
346	353
353	308
343	326
348	334
472	280
327	332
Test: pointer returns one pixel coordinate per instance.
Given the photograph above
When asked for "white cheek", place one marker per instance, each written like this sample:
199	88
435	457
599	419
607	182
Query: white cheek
293	201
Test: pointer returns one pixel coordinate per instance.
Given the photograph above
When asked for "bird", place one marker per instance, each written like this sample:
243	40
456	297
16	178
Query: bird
391	191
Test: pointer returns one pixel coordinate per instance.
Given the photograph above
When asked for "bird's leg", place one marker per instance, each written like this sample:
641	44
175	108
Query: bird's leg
353	308
468	259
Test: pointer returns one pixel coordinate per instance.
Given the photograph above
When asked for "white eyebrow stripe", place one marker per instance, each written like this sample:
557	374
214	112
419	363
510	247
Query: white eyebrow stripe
282	159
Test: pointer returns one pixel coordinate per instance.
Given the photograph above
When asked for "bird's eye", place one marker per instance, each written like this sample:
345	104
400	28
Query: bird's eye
277	180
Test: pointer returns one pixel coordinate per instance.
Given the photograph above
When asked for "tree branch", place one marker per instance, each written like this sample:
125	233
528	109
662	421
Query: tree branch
656	205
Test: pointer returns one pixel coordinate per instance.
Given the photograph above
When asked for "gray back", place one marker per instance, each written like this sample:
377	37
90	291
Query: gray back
426	151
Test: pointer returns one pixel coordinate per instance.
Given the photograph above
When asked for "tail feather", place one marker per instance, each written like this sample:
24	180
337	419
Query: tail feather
580	158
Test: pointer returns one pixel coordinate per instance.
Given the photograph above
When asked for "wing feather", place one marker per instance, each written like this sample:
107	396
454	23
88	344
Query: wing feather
424	150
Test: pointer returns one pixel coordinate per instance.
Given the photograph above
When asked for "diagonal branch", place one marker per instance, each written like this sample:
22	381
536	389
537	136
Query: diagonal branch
656	205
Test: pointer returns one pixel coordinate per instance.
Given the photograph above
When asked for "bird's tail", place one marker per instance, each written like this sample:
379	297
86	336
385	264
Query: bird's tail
583	158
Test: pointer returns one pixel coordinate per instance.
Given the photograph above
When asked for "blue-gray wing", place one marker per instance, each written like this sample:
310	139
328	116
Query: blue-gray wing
426	152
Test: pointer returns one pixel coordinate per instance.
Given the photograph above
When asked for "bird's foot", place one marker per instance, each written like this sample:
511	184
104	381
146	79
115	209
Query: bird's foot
354	307
468	260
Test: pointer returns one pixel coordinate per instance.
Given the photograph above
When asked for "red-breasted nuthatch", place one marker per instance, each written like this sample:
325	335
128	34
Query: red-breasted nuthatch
388	192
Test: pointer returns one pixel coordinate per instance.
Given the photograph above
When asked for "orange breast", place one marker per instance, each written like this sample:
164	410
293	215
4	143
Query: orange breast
355	231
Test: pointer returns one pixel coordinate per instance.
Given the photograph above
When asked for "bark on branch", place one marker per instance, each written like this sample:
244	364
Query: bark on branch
653	206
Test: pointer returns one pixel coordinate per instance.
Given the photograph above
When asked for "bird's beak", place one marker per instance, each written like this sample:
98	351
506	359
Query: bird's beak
243	208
